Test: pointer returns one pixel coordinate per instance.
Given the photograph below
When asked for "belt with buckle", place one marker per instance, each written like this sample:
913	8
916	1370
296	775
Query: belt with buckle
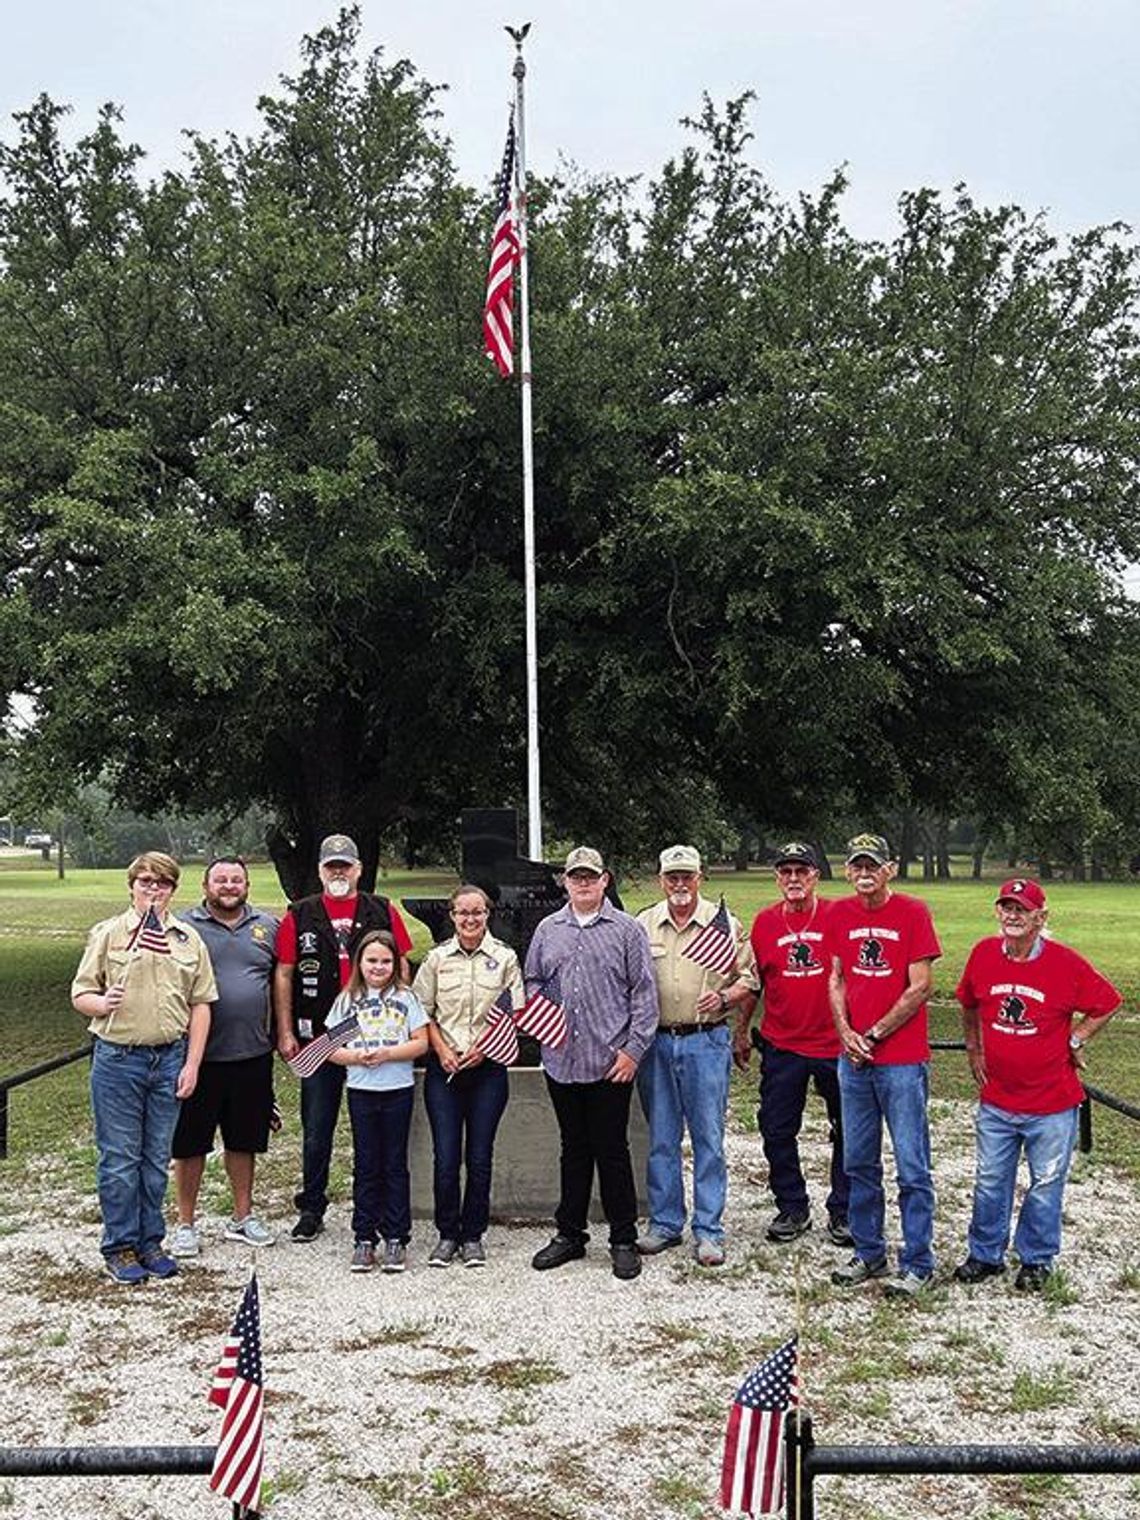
683	1029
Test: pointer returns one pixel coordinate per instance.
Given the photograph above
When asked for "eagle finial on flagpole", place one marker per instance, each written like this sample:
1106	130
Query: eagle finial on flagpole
518	33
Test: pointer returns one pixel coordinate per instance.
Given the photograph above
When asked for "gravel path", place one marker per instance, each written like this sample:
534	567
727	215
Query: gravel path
567	1395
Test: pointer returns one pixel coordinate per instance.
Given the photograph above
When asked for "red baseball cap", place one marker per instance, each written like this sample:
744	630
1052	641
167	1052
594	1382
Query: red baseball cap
1020	890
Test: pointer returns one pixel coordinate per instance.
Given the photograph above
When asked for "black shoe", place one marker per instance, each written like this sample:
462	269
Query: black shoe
974	1271
308	1227
627	1263
1031	1279
557	1252
839	1232
787	1227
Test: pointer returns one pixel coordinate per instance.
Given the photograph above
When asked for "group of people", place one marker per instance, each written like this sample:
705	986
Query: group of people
186	1012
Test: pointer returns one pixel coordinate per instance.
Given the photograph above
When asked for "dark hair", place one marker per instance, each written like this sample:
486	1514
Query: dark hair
225	860
356	983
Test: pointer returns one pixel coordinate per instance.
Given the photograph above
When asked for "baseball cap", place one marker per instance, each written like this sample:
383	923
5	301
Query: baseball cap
796	853
874	846
680	857
1020	890
582	858
338	847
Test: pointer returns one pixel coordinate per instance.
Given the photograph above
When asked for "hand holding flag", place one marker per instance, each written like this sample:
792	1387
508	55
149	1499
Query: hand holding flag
314	1055
499	1041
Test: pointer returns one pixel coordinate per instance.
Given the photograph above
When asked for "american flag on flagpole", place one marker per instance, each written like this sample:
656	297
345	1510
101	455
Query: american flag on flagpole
237	1387
542	1015
752	1476
316	1052
715	946
499	1040
149	934
498	305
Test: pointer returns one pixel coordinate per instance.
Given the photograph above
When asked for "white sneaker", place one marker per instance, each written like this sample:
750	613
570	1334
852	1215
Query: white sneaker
184	1241
250	1231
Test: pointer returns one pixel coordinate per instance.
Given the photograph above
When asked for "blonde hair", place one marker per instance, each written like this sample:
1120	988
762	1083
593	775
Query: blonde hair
165	867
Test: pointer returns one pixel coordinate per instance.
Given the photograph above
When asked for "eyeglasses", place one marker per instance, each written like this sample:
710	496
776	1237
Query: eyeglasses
154	883
469	913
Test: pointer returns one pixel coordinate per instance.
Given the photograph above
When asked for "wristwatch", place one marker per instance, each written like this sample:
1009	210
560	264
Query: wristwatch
875	1039
1076	1043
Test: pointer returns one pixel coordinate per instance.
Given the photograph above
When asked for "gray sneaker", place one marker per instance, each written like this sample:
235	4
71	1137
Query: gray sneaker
250	1231
443	1253
184	1241
395	1256
652	1244
857	1272
907	1284
472	1254
708	1253
363	1256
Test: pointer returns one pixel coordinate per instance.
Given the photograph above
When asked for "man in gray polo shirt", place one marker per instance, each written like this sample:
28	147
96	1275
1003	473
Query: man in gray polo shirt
235	1081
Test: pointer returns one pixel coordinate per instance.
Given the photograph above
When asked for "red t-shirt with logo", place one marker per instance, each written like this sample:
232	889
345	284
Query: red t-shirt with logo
876	948
794	966
341	912
1025	1011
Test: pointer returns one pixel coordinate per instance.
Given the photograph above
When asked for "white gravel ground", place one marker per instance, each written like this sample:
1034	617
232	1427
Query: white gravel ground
567	1395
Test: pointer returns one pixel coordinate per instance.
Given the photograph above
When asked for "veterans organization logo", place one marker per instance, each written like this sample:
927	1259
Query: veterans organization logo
871	956
801	957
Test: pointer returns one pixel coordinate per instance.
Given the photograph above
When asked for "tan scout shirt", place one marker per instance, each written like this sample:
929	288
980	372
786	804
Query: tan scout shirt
457	987
159	989
680	981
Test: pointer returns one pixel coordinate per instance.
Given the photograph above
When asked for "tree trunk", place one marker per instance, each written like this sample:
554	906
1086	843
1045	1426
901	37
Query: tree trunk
942	850
825	872
978	859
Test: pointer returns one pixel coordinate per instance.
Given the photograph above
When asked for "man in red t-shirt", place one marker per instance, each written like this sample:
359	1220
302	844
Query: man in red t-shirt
315	945
881	946
1020	994
798	1043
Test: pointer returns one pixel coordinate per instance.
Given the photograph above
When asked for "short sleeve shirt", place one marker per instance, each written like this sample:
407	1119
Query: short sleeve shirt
387	1019
876	948
159	990
794	969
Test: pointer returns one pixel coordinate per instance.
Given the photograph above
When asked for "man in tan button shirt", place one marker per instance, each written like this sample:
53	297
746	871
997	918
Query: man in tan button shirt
683	1079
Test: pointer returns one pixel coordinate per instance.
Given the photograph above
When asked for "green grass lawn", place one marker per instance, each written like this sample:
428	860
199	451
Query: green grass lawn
43	923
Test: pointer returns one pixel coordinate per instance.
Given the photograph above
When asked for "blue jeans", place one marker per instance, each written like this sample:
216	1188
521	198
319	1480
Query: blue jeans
683	1080
784	1079
320	1109
1048	1141
896	1094
135	1110
464	1115
381	1185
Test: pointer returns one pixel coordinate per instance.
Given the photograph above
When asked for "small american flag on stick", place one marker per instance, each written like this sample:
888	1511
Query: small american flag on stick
715	946
149	934
314	1055
237	1388
499	1040
752	1475
542	1015
499	303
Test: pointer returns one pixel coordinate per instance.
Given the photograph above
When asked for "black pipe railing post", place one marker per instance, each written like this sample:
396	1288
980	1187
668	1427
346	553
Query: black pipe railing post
1084	1124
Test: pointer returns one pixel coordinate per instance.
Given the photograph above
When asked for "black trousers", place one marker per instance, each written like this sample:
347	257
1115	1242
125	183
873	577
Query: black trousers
593	1121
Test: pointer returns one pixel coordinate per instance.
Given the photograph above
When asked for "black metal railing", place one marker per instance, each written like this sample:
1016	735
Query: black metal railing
7	1083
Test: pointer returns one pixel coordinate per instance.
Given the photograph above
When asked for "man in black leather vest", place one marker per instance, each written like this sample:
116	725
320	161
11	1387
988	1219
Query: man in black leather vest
315	945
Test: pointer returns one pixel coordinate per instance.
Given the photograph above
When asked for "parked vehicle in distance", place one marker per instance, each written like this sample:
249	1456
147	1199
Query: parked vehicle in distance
37	841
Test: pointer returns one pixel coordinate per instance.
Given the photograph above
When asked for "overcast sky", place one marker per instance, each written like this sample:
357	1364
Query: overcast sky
1033	101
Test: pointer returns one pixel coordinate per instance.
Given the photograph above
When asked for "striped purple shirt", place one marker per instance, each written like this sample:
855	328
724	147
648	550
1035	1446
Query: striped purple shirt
609	991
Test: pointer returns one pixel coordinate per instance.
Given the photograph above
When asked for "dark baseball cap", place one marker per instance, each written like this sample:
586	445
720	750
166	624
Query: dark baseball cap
873	846
796	853
338	847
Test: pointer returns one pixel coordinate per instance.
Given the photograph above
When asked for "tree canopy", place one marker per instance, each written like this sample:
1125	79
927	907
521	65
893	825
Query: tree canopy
823	526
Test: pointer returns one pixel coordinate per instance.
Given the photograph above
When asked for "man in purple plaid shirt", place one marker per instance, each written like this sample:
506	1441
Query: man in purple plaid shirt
609	994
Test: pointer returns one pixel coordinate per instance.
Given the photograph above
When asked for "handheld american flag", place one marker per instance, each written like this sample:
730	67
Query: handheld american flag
714	946
314	1055
149	934
542	1015
752	1475
237	1387
499	1040
499	303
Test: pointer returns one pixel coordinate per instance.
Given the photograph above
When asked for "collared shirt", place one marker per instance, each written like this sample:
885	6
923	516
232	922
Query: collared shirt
458	987
159	990
680	981
608	990
242	957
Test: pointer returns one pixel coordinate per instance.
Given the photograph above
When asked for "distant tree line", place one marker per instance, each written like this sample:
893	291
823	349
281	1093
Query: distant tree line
827	529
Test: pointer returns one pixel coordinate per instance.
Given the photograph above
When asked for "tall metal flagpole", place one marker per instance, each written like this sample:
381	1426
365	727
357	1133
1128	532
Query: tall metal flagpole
533	792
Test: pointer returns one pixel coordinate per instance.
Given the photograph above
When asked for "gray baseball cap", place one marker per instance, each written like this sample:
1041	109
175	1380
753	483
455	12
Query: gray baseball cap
338	847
